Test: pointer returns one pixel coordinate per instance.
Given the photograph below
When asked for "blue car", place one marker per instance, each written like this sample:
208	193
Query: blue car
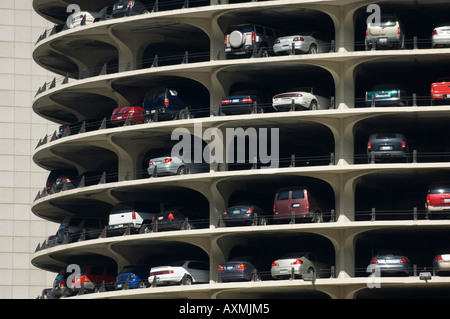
240	104
136	275
237	270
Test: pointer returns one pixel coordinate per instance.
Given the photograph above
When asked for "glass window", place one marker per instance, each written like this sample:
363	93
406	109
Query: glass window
298	194
283	195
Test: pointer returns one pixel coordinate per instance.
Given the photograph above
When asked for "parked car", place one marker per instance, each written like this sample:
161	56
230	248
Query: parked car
58	184
120	219
185	272
92	276
121	114
440	37
301	99
298	201
243	214
441	263
175	219
60	283
76	18
74	226
238	269
387	34
245	39
394	97
167	165
125	8
300	43
136	276
390	262
164	102
298	264
243	102
440	91
438	200
387	147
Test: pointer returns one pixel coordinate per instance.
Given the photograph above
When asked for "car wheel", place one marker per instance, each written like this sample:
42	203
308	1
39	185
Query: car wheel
142	285
182	170
313	49
148	120
313	105
187	280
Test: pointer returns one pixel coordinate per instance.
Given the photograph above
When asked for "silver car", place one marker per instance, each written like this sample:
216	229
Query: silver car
300	44
441	263
301	99
390	262
300	263
167	165
440	37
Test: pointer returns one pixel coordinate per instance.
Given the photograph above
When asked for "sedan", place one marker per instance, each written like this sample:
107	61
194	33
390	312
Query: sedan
167	165
75	19
135	276
392	263
298	43
240	104
243	215
441	263
440	36
302	100
298	264
121	114
237	270
185	272
124	8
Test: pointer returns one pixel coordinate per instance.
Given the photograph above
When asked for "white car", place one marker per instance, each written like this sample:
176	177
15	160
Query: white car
192	271
301	100
300	43
441	36
299	264
75	19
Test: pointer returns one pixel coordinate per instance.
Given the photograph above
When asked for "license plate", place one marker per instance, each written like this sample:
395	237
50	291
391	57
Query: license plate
160	217
382	95
235	100
119	117
385	148
283	271
230	268
446	200
392	261
153	111
383	40
296	205
119	286
446	96
237	211
119	6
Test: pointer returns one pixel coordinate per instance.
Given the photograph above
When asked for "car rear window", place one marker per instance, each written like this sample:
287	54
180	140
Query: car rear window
442	190
298	194
75	221
283	195
388	21
385	135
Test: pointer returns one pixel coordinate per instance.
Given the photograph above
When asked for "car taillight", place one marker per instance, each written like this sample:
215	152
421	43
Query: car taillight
133	215
403	144
403	260
163	272
224	212
374	261
225	101
167	160
274	208
299	39
171	217
428	198
226	40
274	264
150	163
166	101
434	32
369	146
131	3
62	284
247	100
399	31
249	210
220	268
253	37
277	41
66	229
439	258
297	262
367	32
241	267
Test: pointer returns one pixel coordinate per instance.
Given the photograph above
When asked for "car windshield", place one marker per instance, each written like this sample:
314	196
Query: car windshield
385	135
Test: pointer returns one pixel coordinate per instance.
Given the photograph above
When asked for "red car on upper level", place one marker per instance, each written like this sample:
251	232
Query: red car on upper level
121	114
440	91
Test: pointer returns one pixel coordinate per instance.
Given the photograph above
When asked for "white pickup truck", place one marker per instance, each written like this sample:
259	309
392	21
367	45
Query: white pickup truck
124	218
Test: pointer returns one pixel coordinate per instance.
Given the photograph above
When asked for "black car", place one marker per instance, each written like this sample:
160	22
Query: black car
244	214
127	8
178	219
243	102
239	269
165	104
387	147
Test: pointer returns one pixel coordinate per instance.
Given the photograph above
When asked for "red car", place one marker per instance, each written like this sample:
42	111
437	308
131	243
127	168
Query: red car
438	200
440	91
91	277
120	115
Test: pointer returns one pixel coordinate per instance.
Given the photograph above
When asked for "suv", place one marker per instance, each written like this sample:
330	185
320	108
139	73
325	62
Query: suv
438	199
394	97
386	147
387	34
164	103
298	202
245	39
440	91
74	226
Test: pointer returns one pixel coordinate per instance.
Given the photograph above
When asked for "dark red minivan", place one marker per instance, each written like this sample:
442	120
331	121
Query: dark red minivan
297	200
